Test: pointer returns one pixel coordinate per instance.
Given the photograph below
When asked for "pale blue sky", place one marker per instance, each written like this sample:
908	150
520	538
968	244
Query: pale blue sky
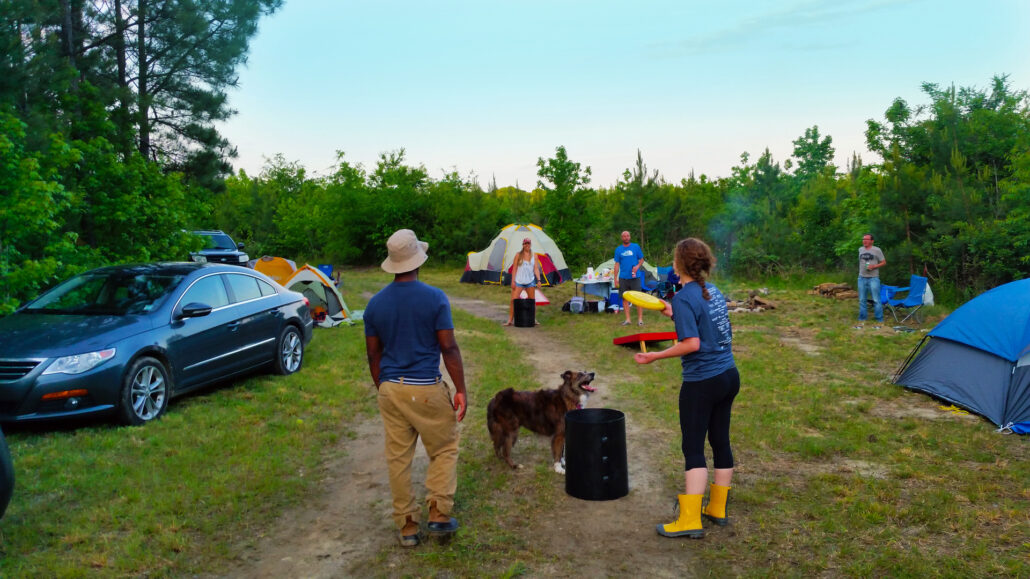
487	87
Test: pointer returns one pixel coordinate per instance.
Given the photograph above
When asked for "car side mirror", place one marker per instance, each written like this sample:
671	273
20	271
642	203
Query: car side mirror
240	246
195	310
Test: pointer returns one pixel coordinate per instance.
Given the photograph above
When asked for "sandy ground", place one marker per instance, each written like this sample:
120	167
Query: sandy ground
342	533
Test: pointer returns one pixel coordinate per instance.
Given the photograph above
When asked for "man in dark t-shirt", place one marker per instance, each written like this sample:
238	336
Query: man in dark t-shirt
407	328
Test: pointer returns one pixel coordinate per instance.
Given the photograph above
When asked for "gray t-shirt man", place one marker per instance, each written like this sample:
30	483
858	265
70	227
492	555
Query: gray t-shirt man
869	259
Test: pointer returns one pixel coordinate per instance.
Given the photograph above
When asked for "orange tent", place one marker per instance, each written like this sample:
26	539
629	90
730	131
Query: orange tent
276	268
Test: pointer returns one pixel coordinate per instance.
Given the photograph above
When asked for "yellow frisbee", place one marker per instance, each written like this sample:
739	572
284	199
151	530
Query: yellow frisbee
646	301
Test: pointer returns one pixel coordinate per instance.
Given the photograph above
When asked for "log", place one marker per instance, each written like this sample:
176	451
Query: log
831	288
759	302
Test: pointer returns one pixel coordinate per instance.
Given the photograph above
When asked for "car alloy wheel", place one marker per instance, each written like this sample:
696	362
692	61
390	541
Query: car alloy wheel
145	393
290	351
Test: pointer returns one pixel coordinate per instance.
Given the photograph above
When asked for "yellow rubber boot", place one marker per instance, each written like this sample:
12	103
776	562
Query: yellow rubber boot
715	511
689	523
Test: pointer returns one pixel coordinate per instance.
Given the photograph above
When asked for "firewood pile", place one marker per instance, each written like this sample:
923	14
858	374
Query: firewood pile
840	291
753	304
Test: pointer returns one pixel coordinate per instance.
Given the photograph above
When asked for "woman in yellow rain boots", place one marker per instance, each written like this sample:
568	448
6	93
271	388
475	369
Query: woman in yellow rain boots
710	383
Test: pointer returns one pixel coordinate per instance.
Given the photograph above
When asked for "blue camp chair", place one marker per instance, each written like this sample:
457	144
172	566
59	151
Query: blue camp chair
666	283
909	305
646	285
886	292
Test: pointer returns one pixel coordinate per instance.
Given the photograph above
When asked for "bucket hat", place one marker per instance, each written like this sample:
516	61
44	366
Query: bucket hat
406	252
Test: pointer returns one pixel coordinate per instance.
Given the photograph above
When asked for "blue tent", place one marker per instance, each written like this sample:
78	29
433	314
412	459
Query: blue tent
979	357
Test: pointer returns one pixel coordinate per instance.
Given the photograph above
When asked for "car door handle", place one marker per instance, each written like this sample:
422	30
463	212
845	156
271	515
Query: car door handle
233	326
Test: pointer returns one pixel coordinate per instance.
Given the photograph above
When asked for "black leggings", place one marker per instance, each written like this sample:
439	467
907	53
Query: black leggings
705	408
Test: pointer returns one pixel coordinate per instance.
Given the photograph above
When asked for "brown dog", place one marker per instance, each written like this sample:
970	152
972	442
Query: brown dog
541	411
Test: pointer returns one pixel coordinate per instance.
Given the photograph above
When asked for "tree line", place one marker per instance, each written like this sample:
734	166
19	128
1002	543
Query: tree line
949	198
108	146
109	153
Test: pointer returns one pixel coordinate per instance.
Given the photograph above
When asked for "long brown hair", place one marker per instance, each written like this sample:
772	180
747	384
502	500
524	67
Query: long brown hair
694	258
519	257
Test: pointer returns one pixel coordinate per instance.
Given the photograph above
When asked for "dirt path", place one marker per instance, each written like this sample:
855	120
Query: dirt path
341	533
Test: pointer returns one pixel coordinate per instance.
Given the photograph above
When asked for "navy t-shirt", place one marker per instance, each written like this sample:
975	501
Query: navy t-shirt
405	316
710	322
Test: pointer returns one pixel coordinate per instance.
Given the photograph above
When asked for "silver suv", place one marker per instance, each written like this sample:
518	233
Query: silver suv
220	248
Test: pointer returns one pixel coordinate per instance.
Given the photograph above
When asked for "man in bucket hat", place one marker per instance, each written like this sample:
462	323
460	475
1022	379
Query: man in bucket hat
407	328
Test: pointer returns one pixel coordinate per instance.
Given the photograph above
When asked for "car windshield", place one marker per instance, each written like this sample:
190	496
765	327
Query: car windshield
220	241
107	293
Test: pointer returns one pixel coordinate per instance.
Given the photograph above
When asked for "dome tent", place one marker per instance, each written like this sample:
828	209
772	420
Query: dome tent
979	357
493	264
277	268
327	305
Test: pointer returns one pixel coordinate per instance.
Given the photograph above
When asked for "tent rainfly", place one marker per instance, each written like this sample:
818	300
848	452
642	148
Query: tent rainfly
493	264
979	357
277	268
327	306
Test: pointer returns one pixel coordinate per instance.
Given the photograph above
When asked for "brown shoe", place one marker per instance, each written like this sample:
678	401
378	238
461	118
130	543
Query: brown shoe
439	523
409	535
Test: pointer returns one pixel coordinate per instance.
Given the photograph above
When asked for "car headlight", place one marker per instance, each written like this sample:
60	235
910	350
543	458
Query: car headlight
198	258
79	363
244	258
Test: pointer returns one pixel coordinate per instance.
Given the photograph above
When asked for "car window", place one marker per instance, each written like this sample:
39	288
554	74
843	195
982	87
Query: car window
209	291
75	296
244	287
266	288
220	241
116	292
143	293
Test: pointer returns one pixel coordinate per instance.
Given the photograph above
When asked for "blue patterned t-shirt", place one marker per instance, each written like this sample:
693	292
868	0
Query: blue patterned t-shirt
709	321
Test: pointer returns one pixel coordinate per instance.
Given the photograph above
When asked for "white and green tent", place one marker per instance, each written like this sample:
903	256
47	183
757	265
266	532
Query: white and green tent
327	306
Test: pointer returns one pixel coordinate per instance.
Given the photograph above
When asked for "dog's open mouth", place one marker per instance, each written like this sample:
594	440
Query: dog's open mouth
586	385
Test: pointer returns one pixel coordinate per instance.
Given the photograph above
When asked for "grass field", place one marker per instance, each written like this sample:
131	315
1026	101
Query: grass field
840	473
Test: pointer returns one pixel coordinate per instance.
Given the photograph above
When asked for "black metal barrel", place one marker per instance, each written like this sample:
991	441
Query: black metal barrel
525	313
595	454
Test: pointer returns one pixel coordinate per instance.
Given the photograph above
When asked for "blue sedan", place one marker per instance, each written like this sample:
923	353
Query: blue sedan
124	340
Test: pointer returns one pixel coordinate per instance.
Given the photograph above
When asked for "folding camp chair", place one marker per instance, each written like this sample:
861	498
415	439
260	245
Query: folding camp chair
666	286
909	305
646	286
886	293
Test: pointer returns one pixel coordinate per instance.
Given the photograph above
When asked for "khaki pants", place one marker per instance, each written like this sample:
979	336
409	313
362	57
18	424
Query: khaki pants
410	412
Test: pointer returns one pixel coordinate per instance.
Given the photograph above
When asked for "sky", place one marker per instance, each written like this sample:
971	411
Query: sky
488	87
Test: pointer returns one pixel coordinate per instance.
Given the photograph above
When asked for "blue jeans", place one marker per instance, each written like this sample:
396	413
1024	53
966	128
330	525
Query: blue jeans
869	286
